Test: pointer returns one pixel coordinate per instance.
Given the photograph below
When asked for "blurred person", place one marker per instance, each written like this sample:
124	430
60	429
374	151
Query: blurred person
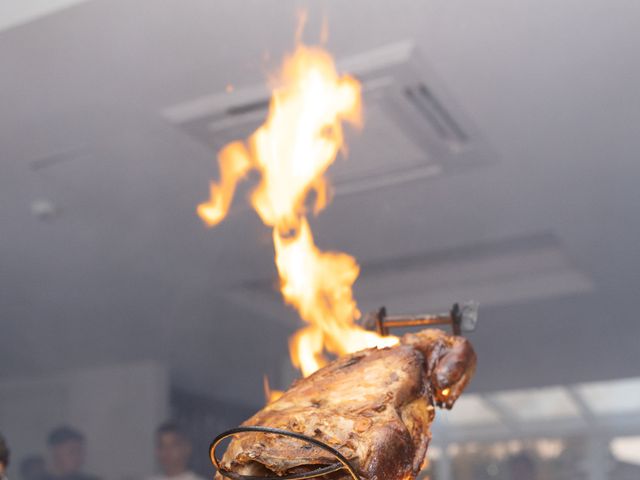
521	467
32	467
4	457
173	452
67	451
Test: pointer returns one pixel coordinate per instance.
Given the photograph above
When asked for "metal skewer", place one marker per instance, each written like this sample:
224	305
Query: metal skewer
462	317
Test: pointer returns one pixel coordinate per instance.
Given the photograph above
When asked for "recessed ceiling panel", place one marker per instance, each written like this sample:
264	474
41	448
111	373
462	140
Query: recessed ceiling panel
502	272
412	127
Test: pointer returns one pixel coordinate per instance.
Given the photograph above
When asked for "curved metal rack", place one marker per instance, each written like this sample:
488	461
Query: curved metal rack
341	464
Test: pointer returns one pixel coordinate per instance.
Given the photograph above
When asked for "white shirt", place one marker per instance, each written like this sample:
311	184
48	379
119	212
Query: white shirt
188	475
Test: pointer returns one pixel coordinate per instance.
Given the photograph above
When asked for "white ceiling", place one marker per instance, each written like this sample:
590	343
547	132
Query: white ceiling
125	270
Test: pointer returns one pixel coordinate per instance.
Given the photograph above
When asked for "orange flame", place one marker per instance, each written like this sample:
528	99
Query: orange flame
270	395
292	150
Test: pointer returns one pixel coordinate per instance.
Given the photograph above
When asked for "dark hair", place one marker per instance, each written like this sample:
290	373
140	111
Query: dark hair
170	427
64	434
4	451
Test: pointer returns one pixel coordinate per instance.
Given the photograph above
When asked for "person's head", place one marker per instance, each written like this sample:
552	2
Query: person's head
66	445
4	455
173	449
32	468
522	467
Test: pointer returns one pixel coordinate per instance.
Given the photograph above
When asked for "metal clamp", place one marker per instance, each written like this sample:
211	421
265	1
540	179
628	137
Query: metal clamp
341	464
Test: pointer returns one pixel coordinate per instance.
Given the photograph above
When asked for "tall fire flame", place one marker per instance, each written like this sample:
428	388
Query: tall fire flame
292	150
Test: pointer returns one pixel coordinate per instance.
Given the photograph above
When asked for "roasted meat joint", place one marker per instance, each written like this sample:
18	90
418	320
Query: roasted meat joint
366	400
374	406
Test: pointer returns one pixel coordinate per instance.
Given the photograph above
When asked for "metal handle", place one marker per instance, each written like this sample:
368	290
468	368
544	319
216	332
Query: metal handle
341	464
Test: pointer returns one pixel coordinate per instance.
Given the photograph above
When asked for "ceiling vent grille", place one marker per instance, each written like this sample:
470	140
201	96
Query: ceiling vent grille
435	114
413	128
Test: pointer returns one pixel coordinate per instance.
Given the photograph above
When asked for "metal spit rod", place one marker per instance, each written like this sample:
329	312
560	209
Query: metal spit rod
463	317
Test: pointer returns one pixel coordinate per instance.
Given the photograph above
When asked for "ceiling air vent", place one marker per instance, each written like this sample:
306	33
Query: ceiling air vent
435	114
412	130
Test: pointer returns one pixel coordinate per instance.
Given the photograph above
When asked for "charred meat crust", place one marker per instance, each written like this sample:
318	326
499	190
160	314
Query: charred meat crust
374	406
